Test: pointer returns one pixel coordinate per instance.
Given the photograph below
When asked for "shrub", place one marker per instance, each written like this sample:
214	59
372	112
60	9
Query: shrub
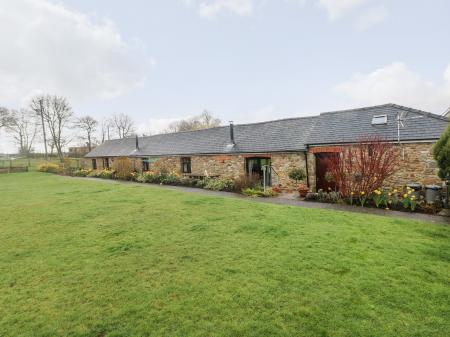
168	179
104	174
335	197
441	152
297	174
258	192
218	184
81	172
189	182
49	168
247	181
311	196
363	167
123	167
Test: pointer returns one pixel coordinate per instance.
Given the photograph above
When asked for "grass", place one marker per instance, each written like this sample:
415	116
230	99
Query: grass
89	258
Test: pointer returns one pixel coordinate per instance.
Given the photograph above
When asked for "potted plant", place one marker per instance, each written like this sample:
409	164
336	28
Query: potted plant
302	190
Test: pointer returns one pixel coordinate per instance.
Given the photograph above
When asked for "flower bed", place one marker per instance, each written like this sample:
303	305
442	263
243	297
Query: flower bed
405	199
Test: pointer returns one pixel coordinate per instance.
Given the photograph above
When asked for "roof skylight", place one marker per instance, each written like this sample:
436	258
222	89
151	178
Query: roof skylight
379	119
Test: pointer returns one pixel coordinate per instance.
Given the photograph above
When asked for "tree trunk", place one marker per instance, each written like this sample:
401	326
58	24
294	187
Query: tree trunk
44	135
89	143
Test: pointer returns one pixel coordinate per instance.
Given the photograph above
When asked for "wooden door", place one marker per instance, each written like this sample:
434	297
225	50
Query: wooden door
322	164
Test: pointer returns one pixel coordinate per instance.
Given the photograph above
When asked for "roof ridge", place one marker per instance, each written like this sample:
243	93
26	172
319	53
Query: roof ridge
357	109
392	105
220	127
422	112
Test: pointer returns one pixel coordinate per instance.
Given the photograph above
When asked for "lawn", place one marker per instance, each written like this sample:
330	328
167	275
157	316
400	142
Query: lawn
91	258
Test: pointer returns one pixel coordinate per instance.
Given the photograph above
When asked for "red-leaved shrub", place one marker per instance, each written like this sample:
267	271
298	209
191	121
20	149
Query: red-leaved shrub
363	167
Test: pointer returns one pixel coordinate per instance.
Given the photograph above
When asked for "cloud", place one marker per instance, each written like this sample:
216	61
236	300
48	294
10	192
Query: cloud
335	9
396	83
47	47
372	16
212	8
339	8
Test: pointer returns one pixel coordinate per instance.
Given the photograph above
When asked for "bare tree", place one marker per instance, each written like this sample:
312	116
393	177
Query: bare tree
89	126
5	117
40	105
203	121
123	124
105	130
23	128
57	118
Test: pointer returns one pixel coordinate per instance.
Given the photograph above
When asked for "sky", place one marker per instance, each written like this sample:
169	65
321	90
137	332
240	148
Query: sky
242	60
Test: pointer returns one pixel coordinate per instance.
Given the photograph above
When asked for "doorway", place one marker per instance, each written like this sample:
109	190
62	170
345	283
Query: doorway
255	166
322	167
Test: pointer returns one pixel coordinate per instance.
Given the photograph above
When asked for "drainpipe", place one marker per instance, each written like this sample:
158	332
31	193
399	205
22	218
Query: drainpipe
306	164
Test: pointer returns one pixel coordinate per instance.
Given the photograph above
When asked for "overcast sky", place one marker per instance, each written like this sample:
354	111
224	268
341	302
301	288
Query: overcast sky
244	60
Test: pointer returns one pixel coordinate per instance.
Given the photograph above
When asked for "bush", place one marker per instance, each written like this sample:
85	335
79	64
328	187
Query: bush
189	182
363	167
123	168
257	192
49	168
297	174
218	184
81	173
168	179
441	152
247	181
104	174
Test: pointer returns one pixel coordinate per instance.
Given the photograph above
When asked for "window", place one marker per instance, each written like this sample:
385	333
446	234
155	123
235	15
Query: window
106	163
379	120
94	164
145	165
186	164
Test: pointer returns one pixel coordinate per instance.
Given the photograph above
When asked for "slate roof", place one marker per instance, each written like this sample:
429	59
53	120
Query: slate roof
348	125
285	135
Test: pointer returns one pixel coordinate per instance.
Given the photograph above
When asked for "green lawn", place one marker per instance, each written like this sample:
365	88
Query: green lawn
90	258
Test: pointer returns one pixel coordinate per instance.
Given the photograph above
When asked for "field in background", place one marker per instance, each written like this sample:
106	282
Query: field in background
90	258
33	163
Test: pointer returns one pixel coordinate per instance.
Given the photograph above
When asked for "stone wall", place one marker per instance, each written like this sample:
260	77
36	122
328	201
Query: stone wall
283	163
416	164
228	166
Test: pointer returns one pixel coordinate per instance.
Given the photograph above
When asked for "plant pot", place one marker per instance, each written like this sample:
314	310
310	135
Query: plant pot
303	192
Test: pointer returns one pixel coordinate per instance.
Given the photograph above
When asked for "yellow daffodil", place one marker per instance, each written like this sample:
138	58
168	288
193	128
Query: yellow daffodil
405	195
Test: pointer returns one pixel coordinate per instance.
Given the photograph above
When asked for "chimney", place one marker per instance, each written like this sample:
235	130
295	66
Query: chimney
137	142
232	133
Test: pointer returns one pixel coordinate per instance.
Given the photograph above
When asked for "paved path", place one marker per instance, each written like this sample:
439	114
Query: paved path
290	200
